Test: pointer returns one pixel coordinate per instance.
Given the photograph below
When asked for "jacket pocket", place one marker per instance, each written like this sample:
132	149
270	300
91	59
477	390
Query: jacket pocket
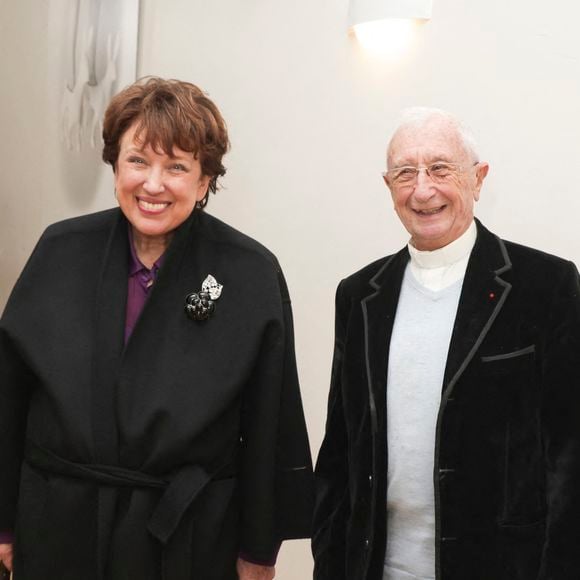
512	380
521	548
521	352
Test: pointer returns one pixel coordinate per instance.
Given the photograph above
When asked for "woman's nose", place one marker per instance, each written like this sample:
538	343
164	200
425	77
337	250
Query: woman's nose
154	182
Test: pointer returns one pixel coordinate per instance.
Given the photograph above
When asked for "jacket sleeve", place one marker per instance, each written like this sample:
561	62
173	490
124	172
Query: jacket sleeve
15	386
561	432
17	381
331	474
276	470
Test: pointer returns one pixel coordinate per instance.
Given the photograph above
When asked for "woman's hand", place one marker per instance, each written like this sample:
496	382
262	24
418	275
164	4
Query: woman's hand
6	557
249	571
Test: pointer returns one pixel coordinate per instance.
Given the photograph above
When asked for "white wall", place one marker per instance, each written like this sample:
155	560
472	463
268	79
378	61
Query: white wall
309	115
23	72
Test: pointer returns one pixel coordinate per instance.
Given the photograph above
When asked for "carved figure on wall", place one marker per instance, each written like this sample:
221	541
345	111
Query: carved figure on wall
93	70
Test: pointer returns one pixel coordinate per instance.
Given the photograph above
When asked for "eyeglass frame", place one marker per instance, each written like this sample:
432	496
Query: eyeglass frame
426	168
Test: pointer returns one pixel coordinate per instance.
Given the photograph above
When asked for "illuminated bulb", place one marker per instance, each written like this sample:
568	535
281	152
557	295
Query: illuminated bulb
388	38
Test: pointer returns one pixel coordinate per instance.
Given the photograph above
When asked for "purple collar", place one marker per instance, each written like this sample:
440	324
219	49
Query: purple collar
135	264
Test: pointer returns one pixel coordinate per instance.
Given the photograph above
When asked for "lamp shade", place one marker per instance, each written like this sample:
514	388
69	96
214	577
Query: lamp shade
361	11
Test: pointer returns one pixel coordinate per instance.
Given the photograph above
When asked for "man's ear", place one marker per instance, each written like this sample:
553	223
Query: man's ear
480	175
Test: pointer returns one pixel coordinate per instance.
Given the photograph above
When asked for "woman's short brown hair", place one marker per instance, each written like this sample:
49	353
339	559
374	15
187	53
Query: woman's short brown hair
169	113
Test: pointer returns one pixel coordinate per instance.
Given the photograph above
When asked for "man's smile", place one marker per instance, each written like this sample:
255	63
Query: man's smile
431	211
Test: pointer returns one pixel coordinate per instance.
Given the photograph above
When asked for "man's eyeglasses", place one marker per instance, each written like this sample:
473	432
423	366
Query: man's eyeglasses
439	172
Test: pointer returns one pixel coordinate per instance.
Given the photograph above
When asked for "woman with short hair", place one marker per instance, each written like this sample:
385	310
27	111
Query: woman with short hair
150	417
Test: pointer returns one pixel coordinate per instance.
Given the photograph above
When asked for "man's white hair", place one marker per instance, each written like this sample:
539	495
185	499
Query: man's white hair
416	117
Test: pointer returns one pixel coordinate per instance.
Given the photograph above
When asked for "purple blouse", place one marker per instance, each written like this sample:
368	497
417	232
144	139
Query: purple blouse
140	281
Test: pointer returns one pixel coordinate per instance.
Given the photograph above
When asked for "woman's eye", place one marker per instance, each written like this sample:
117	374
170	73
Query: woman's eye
178	167
136	160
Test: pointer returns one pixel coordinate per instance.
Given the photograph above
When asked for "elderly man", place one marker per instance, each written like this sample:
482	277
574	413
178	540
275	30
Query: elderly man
452	447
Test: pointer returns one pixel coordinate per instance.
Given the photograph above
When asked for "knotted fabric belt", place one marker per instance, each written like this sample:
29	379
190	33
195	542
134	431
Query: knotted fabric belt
179	491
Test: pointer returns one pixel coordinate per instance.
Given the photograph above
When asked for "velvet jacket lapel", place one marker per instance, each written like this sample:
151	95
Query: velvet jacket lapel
483	295
379	309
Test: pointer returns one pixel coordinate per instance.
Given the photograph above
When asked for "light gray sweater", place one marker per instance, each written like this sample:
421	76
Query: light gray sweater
417	358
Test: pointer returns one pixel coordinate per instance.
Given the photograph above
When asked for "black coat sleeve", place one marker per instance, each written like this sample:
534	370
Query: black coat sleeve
17	381
331	473
561	432
15	386
276	469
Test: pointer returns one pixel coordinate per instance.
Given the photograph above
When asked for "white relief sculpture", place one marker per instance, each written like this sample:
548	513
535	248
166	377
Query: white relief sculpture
73	108
97	96
95	47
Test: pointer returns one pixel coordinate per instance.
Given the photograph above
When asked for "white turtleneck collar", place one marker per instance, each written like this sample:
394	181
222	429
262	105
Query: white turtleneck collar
440	268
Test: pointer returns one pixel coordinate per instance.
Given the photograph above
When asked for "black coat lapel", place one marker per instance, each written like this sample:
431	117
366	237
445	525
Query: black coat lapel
164	297
482	297
379	309
108	344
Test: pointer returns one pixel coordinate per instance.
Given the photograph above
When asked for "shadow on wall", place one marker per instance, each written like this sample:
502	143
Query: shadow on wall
81	173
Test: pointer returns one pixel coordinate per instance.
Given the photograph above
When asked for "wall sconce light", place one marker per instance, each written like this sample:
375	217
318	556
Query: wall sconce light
385	26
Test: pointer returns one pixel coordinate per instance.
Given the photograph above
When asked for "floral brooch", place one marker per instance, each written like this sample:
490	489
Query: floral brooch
201	305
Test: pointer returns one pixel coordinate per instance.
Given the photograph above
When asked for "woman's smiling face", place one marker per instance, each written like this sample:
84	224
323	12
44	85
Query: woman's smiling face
156	191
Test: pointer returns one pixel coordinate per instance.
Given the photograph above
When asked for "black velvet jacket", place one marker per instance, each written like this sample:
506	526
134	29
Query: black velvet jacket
507	449
163	458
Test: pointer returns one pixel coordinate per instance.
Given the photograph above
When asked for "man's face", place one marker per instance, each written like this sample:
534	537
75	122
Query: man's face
435	213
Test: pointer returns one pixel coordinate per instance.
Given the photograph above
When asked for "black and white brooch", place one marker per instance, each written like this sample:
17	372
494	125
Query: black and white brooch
201	305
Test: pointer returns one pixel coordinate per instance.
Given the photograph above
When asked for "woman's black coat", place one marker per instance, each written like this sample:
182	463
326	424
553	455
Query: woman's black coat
166	457
507	448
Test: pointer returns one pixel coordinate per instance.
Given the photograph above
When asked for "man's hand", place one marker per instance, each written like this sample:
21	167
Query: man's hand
249	571
6	557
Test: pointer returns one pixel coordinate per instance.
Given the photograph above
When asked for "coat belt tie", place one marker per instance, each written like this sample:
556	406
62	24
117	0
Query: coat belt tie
180	490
